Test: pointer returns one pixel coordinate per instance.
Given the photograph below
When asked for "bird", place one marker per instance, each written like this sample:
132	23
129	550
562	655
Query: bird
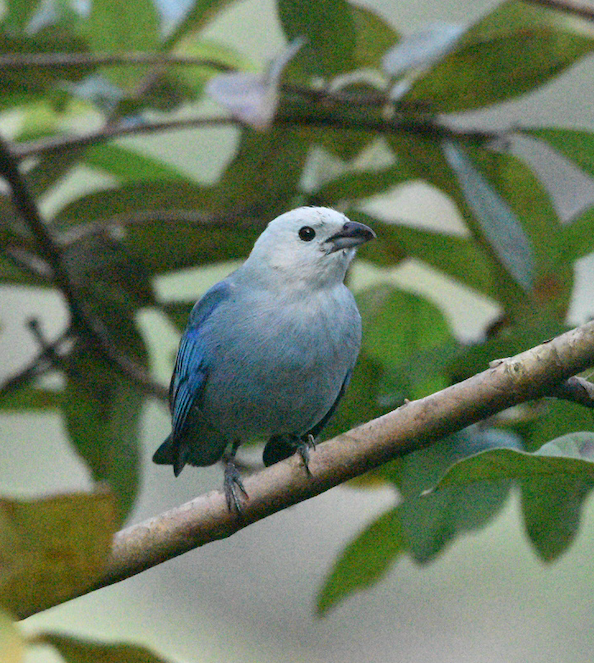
268	352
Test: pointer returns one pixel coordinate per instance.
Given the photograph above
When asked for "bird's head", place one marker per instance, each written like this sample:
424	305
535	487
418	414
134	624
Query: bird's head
309	244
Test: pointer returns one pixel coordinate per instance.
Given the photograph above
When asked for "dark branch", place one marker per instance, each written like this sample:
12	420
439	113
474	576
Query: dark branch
306	118
60	143
43	362
89	327
238	218
70	60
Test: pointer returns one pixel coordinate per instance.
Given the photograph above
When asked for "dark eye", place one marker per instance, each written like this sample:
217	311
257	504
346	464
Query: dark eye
306	233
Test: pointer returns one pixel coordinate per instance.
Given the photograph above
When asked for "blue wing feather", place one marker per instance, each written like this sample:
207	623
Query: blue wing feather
191	366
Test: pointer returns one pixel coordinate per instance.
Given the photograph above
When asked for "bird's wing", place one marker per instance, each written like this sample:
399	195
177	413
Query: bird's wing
317	429
191	365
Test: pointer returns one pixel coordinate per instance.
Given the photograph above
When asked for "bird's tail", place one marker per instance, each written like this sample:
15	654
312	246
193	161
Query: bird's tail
172	452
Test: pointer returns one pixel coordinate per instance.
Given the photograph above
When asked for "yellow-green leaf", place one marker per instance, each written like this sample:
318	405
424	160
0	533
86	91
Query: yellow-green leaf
11	643
52	549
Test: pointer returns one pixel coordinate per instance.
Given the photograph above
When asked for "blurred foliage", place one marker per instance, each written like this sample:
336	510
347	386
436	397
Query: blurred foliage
318	114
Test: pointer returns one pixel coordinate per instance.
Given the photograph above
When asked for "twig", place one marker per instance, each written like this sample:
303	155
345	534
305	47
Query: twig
576	8
57	144
69	60
36	367
309	119
238	218
417	424
577	390
91	327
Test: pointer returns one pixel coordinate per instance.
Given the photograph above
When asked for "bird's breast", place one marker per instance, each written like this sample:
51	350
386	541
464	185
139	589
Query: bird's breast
278	366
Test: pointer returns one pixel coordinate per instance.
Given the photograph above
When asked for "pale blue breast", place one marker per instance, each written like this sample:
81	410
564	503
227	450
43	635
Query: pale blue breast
278	364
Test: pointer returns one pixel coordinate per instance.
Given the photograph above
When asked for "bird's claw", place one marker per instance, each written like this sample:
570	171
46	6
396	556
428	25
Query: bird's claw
303	448
232	483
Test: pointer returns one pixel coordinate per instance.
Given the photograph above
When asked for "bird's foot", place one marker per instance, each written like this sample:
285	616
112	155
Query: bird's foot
306	444
232	483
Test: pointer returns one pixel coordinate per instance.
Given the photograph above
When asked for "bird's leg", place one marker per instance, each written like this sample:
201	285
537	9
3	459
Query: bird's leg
305	445
232	482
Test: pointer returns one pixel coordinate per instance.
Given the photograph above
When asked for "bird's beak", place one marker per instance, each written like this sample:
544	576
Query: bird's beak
353	234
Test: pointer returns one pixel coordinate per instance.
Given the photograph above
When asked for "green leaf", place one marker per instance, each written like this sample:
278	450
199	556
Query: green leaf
364	561
431	521
403	332
554	481
373	37
398	324
552	508
77	650
164	247
177	313
423	157
124	200
527	199
102	412
265	172
12	648
361	184
52	548
30	397
129	165
19	14
201	12
196	77
499	225
511	51
329	29
577	237
361	402
123	27
50	169
552	418
574	144
458	257
107	276
420	526
21	86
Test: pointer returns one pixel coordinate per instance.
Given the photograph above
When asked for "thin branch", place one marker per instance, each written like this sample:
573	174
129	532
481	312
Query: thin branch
69	60
378	125
568	6
237	218
91	327
59	143
577	390
39	365
417	424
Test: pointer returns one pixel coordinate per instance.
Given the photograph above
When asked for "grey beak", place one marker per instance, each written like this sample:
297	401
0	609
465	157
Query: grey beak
353	234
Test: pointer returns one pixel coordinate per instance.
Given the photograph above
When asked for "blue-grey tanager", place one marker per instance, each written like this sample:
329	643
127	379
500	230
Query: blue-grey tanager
268	351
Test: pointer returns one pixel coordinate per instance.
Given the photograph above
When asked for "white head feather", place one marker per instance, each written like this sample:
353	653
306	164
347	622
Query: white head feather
304	245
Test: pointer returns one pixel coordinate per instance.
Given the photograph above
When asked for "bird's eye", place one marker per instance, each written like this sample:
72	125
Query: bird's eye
306	233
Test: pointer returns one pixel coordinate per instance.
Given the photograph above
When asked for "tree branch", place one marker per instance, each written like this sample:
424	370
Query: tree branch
240	218
82	322
69	60
291	117
532	374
